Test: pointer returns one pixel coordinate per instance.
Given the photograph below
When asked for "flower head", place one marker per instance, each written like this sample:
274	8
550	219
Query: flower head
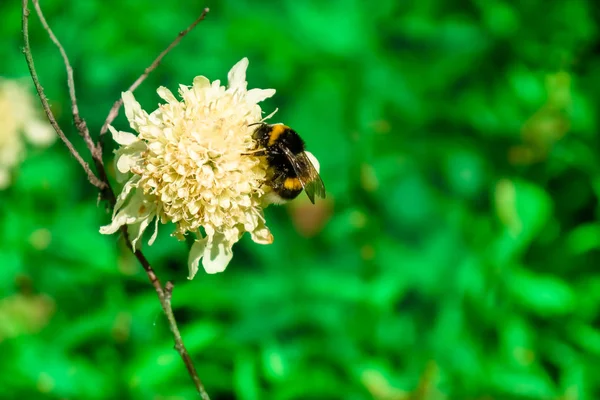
19	120
187	166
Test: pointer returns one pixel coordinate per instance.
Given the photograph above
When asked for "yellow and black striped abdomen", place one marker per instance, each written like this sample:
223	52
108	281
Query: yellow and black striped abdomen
287	188
292	183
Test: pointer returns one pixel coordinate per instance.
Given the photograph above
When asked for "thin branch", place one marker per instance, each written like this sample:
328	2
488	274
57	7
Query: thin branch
80	124
164	294
169	290
114	111
179	346
94	180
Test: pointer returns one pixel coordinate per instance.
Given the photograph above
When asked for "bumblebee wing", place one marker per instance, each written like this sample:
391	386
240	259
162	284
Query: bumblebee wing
307	174
313	184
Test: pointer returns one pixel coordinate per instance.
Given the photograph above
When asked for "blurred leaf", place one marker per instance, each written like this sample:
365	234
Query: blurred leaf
23	315
245	377
543	294
523	384
584	238
523	209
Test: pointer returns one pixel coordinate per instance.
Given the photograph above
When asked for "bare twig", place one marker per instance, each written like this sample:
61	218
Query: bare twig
94	180
179	346
94	149
79	122
114	111
169	290
164	294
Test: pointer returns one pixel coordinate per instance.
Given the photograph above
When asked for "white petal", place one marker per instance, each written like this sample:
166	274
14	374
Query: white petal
132	157
117	222
129	185
237	75
134	212
201	82
210	231
166	95
136	231
122	138
257	95
183	89
262	235
217	254
133	110
313	160
196	253
125	162
155	234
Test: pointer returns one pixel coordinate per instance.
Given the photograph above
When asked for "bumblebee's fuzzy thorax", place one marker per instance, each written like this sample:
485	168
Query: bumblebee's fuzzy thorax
276	135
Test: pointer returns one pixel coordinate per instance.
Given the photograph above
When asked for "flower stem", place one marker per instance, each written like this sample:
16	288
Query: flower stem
164	295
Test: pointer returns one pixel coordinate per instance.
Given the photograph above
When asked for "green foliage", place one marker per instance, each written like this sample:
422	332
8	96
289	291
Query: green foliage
456	257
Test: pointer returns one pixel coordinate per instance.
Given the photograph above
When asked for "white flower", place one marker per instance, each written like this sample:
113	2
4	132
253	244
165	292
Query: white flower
19	117
186	166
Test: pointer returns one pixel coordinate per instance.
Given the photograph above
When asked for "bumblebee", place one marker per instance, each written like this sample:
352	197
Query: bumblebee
292	168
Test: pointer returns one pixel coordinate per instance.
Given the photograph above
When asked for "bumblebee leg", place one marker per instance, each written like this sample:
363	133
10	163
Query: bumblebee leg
258	153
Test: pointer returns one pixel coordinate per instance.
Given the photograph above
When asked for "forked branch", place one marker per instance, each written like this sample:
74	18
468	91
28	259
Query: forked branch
95	149
79	122
94	180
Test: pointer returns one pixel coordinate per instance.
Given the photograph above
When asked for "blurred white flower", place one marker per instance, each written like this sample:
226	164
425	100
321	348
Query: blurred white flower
186	166
20	118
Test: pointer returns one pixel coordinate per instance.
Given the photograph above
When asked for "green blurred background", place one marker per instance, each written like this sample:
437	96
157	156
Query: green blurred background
456	257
